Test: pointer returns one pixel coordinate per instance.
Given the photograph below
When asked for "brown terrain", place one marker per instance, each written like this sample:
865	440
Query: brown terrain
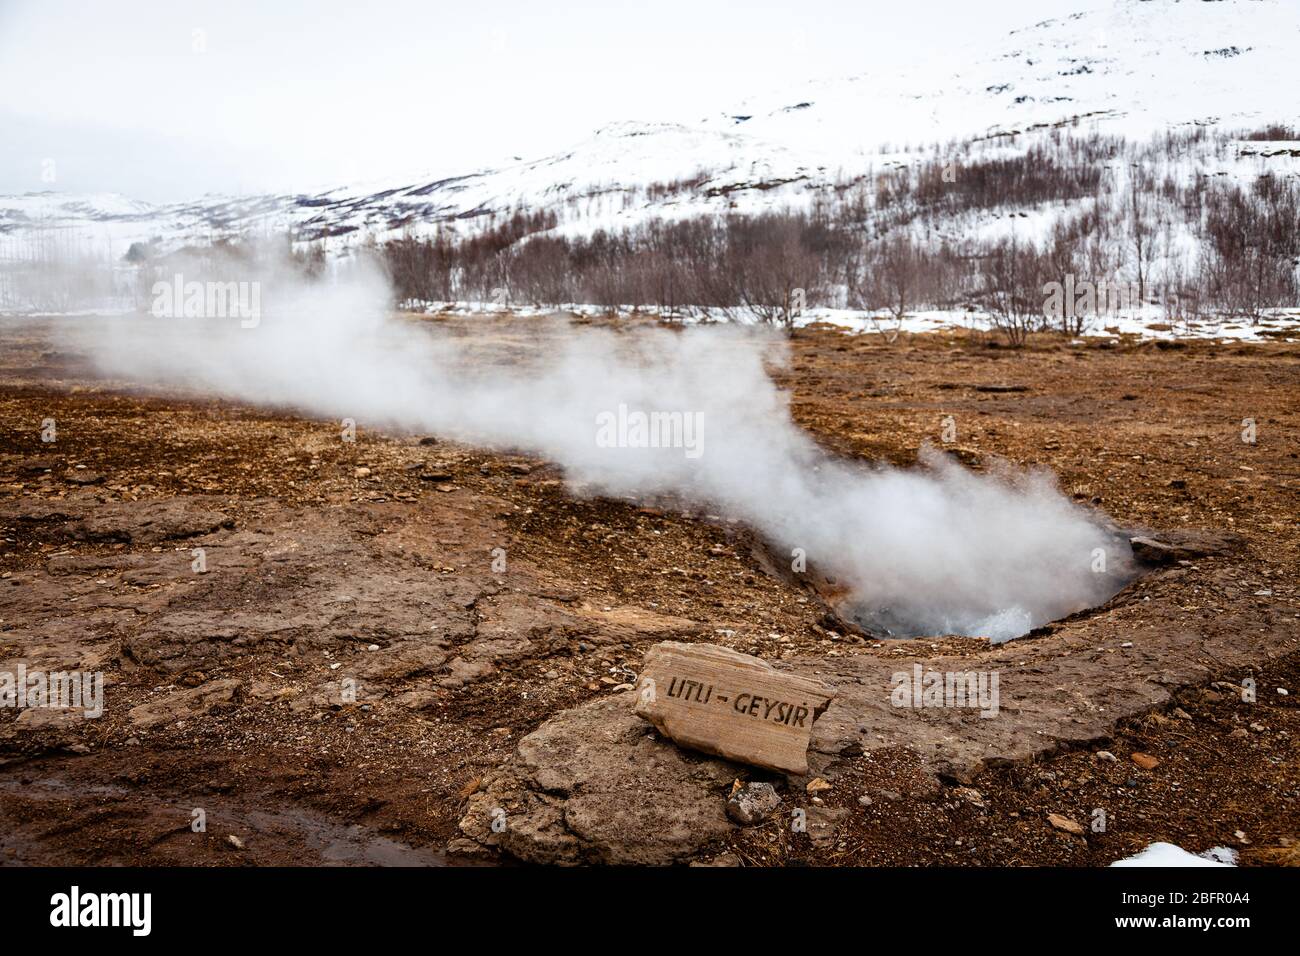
359	676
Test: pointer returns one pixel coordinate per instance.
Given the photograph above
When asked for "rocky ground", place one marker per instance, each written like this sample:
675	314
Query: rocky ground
366	652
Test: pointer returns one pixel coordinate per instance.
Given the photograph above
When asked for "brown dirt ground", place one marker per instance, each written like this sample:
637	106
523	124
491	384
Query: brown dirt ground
318	570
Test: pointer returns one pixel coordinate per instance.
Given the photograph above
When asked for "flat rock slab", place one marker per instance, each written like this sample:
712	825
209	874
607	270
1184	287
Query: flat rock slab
731	705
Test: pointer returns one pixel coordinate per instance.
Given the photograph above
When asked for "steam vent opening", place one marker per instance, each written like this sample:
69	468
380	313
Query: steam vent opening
1004	610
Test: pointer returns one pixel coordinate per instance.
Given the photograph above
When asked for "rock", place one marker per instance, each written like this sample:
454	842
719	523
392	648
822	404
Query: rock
1065	824
971	796
235	842
462	672
824	823
35	466
184	704
731	705
77	476
1182	714
149	522
465	848
361	473
564	597
1145	761
57	718
817	785
1105	756
1169	547
591	785
436	476
1152	551
753	803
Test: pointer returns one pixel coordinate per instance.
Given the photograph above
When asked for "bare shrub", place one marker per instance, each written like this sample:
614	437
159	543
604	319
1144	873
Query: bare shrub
1011	281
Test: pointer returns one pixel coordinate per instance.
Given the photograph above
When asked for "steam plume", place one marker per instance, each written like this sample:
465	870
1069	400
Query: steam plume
928	551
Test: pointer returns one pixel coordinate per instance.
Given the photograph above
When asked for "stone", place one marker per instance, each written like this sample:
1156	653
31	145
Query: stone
1105	756
467	849
184	704
731	705
77	476
34	466
1170	547
1145	761
1065	824
594	785
753	803
824	824
149	522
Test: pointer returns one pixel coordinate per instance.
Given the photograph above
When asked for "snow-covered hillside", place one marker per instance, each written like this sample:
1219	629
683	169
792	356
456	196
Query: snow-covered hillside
1132	67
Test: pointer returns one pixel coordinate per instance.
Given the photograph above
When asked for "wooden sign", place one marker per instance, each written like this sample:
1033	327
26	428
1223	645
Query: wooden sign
731	705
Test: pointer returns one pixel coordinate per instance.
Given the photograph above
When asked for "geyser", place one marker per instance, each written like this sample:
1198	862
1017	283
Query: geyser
934	550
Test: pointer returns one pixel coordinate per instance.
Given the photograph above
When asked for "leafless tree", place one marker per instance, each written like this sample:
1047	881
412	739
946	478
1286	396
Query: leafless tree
1011	284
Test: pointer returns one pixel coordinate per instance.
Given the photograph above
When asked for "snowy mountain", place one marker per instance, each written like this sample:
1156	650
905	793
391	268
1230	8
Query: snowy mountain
1130	67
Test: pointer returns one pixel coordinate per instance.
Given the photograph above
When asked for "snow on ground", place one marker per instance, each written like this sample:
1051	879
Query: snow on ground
1148	324
1167	854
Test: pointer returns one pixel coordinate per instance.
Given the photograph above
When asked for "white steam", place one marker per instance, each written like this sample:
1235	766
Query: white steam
935	550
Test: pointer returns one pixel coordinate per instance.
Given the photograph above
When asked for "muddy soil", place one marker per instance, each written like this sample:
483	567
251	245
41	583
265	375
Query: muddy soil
362	652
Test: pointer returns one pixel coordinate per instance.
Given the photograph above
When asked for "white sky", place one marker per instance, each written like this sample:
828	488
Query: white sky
168	99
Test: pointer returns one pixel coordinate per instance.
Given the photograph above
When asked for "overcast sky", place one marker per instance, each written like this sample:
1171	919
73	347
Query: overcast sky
169	99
